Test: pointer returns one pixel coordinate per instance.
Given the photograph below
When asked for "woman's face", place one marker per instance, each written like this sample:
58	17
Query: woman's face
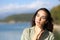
40	18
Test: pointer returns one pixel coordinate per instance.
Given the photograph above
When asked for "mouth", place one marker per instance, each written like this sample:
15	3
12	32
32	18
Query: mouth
38	22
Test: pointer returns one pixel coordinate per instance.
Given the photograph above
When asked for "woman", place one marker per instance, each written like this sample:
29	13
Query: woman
42	27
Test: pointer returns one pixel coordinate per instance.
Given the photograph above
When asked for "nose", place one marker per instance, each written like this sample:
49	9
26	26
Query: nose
39	19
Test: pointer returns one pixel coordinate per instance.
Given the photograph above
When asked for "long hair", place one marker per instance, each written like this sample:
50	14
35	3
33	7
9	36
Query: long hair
49	24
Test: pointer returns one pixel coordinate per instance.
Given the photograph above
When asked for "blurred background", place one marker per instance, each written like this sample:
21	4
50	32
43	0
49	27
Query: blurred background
15	15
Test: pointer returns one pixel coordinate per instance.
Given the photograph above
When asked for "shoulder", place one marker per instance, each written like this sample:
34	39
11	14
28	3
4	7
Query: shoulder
51	35
28	29
49	32
25	34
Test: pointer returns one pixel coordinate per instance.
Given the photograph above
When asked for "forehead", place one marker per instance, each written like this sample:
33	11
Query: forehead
41	12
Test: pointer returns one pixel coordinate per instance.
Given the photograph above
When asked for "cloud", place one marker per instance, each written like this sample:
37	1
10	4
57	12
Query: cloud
34	5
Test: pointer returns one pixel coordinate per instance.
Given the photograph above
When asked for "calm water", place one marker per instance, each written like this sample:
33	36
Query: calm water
12	31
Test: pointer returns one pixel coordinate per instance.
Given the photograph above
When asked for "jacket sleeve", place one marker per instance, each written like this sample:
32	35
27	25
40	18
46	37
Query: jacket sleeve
25	34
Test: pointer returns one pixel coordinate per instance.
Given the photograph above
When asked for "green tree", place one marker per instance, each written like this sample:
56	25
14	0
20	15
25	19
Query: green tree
56	14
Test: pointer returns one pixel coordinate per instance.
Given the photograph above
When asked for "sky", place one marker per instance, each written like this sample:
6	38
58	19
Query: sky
8	7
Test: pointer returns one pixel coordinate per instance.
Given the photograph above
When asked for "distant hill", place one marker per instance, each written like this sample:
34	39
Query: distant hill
55	12
20	17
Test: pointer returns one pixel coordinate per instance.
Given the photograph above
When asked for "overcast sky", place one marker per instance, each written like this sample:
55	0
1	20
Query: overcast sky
25	5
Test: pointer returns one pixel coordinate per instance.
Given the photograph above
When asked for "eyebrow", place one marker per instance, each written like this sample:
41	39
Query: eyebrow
44	16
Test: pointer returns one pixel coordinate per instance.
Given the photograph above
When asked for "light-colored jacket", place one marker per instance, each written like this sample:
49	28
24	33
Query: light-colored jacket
29	32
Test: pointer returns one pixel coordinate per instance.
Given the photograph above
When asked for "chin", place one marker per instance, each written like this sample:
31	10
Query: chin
38	24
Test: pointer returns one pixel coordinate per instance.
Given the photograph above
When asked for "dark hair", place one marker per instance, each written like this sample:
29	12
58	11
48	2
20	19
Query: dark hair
49	24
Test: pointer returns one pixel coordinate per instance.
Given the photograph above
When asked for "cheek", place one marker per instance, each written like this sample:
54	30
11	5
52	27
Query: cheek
36	19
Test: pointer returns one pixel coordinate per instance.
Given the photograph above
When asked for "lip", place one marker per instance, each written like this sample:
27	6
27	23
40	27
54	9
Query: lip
38	22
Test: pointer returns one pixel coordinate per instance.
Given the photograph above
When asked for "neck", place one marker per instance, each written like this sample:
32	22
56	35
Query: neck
39	28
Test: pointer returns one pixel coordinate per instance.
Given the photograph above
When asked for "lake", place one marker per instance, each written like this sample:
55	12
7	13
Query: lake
10	31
